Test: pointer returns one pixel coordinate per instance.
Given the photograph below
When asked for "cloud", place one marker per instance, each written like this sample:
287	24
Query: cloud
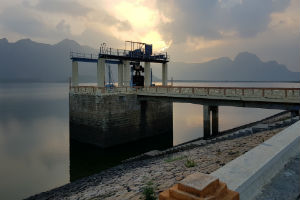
201	29
109	20
28	23
124	26
212	19
70	7
20	20
63	27
94	38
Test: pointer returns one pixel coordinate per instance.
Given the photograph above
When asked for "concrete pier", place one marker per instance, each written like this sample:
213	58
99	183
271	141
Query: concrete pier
165	74
101	72
118	119
147	74
210	124
215	120
206	121
126	77
74	73
120	74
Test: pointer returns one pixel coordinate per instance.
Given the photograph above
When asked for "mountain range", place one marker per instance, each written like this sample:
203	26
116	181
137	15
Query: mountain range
26	60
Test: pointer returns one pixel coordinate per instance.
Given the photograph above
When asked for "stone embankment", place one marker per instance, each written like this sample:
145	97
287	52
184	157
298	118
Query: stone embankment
167	168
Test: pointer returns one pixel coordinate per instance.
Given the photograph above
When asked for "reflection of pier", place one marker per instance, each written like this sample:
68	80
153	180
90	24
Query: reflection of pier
88	159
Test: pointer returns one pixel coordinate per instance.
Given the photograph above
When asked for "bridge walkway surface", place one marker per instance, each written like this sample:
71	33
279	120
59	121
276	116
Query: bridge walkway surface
271	95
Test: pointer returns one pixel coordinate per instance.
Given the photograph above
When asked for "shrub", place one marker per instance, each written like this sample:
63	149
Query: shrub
148	191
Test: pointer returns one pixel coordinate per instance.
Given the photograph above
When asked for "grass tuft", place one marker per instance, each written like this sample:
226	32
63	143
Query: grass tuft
189	163
171	159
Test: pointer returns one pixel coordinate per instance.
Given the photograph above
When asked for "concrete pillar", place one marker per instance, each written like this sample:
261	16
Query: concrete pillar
147	74
101	72
206	121
127	77
120	74
74	73
215	120
165	74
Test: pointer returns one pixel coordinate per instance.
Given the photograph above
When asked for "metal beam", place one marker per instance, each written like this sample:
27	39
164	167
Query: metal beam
92	60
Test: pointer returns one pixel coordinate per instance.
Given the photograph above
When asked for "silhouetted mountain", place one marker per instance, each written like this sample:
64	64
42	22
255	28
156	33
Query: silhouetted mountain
245	67
26	60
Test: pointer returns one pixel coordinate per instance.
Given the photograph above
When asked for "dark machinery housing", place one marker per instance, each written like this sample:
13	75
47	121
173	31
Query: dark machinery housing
137	77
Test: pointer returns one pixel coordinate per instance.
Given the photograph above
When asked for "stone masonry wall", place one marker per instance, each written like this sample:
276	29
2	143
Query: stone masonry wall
118	118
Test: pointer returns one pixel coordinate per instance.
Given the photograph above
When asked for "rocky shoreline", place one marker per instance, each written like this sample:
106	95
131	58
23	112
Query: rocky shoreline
168	167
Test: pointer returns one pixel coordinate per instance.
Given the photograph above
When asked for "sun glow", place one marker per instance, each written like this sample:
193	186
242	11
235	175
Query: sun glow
197	43
153	37
143	20
139	16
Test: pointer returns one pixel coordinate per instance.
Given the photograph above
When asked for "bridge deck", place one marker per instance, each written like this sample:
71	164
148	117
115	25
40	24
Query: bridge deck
275	95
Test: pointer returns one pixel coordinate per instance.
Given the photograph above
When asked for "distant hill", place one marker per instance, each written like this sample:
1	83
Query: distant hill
245	67
26	60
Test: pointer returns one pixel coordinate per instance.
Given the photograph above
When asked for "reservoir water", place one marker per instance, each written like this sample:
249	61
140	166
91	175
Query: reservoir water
37	155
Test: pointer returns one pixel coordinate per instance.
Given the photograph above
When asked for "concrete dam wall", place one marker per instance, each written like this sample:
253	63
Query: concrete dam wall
111	120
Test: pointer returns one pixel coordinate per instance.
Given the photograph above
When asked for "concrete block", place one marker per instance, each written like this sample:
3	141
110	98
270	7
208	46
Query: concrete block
199	184
176	193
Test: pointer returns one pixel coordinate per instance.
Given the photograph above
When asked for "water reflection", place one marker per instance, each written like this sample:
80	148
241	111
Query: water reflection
188	119
33	140
87	159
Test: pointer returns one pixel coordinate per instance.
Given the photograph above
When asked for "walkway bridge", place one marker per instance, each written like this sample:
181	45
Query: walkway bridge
176	93
209	97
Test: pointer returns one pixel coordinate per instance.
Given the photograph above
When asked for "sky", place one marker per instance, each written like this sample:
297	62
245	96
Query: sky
190	30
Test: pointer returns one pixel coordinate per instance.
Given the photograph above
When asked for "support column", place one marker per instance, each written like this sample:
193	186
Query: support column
206	121
101	72
74	73
147	74
215	120
126	73
165	74
120	74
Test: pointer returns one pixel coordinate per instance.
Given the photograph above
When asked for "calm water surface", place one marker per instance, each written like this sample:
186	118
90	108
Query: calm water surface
36	154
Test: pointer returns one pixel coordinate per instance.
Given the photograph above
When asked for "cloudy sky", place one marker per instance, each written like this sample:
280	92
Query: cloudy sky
190	30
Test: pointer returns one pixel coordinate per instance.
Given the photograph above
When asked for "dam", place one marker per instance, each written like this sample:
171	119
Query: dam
137	109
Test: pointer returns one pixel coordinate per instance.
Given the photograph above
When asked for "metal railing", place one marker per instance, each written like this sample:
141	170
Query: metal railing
83	55
120	52
133	54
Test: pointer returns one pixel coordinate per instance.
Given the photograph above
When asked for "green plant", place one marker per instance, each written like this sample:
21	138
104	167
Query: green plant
148	191
171	159
190	163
